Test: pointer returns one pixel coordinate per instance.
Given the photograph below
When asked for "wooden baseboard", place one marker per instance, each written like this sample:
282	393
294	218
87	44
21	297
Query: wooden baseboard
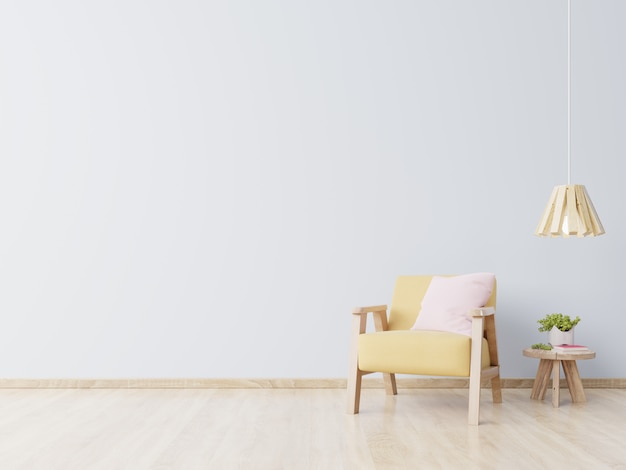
285	383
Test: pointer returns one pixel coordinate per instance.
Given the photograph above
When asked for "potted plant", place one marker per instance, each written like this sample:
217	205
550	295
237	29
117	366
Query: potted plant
560	328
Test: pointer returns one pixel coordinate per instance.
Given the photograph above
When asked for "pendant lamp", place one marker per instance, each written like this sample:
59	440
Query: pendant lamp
569	210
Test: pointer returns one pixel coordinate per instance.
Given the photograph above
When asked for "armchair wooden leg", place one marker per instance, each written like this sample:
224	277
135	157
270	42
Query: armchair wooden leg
354	374
354	392
474	399
496	389
390	383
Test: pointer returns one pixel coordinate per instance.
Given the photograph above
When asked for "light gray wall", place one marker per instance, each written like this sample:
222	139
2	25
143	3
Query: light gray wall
205	189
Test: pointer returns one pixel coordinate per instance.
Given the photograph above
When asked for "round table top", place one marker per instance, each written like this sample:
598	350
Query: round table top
558	356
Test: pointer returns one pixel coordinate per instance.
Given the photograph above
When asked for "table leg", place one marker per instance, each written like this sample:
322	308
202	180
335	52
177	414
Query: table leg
556	386
574	383
541	379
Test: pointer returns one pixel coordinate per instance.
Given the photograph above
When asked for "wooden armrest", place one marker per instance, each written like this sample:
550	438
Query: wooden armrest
379	312
361	310
482	312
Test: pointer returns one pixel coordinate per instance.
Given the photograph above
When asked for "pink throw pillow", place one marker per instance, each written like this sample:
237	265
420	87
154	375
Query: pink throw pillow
447	302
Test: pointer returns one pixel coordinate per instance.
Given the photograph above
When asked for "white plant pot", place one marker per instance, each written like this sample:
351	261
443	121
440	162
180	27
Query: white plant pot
556	336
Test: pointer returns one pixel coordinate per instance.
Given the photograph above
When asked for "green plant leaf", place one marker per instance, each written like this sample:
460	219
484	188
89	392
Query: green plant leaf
562	322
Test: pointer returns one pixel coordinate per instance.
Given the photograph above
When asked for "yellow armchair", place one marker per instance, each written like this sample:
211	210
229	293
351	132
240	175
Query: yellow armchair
395	348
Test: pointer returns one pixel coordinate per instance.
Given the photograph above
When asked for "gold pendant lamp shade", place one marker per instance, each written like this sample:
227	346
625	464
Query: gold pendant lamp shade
569	212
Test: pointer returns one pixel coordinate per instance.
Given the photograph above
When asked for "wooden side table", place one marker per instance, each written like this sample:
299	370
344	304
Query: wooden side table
550	363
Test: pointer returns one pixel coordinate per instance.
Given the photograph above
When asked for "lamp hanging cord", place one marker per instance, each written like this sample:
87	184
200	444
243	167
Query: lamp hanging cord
569	91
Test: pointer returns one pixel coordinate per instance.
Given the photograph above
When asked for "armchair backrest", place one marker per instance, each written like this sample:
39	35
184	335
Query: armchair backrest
407	300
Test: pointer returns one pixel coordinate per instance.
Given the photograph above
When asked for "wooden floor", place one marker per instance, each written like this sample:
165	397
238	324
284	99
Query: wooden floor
306	429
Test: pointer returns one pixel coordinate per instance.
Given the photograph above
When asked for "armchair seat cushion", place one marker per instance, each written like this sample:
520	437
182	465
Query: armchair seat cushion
421	352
